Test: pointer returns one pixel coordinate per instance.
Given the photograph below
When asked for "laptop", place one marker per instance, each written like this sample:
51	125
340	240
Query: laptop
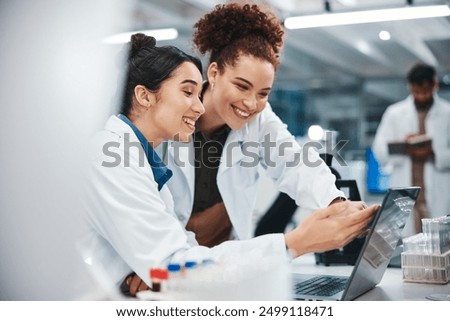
385	232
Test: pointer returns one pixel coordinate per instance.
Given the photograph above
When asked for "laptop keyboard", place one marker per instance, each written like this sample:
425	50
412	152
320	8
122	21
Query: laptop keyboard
321	286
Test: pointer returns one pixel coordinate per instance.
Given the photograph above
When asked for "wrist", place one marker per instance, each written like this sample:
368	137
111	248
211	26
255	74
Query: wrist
337	200
292	241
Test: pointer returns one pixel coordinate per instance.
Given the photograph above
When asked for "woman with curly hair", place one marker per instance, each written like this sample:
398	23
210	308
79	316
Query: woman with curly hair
239	131
215	175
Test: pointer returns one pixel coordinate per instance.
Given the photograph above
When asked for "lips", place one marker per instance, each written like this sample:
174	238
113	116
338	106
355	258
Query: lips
190	122
241	113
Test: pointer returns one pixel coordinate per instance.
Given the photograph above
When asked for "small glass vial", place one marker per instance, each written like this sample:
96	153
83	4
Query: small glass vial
175	277
158	276
189	265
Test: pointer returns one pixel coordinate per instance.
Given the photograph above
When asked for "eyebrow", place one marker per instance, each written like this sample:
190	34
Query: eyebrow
250	84
189	81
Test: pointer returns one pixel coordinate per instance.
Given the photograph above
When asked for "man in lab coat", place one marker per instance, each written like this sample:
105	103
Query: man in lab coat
421	115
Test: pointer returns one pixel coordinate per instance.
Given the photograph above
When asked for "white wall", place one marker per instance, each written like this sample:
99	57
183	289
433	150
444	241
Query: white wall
56	85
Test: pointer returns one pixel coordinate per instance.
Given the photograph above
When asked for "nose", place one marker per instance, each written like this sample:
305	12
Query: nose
198	108
250	103
422	98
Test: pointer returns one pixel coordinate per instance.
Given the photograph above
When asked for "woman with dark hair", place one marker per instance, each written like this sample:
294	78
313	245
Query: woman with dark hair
129	208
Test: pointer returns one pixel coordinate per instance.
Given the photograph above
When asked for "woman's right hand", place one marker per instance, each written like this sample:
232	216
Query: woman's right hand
133	284
330	228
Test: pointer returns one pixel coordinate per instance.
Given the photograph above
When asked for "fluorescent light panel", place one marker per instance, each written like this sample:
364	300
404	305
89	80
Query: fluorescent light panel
356	17
158	34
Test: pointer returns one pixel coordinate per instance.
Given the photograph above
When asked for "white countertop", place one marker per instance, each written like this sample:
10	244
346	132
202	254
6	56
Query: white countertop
391	288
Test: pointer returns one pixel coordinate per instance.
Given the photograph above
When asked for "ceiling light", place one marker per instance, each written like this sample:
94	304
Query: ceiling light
348	2
158	34
355	17
384	35
315	132
364	47
446	79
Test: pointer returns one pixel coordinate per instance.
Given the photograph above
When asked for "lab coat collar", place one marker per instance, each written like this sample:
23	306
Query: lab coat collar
433	109
232	152
160	172
437	106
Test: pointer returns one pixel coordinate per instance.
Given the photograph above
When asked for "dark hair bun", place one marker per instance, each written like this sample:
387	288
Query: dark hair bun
140	41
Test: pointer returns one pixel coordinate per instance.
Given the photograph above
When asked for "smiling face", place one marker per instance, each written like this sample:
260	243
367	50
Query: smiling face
237	95
176	107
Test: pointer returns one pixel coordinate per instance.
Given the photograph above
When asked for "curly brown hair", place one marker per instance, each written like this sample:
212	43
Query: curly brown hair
233	29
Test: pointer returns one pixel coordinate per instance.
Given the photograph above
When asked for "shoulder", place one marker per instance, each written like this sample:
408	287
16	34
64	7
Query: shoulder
116	141
443	104
399	108
102	139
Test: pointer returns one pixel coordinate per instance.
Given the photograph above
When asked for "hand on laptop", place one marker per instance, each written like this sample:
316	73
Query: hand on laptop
330	228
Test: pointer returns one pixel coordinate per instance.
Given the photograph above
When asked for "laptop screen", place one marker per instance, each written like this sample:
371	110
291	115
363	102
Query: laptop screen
385	233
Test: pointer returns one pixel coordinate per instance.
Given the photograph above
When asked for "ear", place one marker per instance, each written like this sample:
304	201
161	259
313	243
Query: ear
143	96
212	72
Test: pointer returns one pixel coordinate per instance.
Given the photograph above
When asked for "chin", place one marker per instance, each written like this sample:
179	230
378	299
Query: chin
184	138
236	125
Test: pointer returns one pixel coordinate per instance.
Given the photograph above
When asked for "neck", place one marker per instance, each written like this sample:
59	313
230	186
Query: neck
149	133
210	121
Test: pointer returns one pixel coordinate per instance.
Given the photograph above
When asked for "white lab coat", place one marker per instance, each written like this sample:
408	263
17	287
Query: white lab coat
131	225
310	182
401	119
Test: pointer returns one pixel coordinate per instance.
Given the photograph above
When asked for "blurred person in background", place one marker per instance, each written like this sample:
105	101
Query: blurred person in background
423	112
